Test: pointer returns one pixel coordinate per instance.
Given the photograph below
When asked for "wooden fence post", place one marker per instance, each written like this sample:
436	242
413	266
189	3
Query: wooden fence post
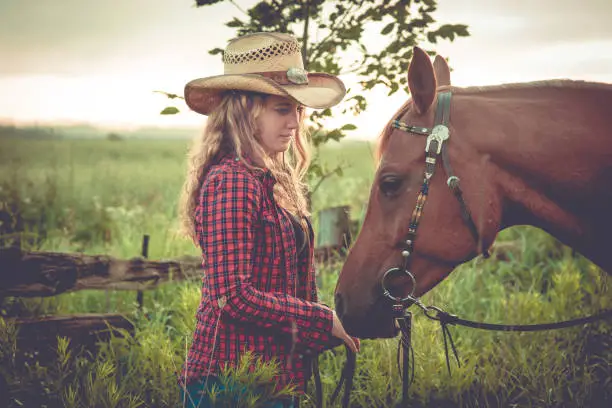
145	255
334	232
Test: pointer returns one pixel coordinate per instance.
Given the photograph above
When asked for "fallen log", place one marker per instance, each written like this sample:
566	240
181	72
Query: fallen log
82	328
36	274
41	274
38	336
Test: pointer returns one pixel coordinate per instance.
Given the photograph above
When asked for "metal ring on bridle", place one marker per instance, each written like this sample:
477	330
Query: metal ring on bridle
387	293
452	180
430	310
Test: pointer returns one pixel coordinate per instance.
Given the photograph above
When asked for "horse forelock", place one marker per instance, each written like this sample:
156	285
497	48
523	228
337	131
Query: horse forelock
383	138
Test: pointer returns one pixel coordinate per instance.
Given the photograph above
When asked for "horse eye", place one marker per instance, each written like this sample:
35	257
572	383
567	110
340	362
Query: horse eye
390	185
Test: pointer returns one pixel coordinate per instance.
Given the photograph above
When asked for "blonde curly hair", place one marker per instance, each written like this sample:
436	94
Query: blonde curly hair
232	128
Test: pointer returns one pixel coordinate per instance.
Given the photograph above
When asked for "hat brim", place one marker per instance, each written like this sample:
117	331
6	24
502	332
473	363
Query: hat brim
323	91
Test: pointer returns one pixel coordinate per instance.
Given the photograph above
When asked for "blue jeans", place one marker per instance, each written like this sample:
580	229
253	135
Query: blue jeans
198	397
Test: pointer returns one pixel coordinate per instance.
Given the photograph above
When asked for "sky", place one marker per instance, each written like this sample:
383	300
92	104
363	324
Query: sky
99	62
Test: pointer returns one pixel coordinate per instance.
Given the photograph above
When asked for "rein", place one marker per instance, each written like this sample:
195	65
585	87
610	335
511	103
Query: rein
405	352
403	318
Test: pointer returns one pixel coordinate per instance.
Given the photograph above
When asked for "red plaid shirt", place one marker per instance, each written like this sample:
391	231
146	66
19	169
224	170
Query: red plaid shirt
254	286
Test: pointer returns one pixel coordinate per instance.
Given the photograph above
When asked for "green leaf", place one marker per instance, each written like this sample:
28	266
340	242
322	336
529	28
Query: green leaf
200	3
170	110
462	30
348	126
234	23
394	88
216	51
388	28
335	134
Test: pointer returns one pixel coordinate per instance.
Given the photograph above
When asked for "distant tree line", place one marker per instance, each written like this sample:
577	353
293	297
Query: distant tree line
91	132
41	133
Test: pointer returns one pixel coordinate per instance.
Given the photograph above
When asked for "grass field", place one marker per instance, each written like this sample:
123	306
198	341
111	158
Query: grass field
100	197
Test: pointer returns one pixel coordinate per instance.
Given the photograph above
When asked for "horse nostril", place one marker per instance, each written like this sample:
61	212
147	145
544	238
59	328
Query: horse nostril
339	305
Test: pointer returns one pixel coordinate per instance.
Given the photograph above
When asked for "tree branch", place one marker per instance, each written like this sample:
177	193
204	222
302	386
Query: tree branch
305	36
332	30
356	67
323	177
238	7
170	95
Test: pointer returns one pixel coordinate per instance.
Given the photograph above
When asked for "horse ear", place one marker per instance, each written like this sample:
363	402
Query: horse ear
442	71
421	80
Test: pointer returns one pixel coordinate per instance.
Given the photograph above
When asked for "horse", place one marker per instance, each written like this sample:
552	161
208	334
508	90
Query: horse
536	153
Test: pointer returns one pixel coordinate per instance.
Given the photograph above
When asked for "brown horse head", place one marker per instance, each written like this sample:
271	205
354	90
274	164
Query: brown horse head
495	158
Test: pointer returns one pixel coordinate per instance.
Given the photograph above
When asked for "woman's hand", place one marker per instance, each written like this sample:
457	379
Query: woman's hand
339	332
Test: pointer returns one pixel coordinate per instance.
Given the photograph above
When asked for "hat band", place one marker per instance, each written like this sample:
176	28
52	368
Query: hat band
292	76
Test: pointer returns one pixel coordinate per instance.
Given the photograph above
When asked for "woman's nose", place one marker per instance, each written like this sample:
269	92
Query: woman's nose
293	121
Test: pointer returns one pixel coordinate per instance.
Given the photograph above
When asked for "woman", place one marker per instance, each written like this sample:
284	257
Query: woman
244	205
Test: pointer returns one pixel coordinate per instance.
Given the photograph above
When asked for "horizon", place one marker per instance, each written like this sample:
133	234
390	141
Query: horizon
95	70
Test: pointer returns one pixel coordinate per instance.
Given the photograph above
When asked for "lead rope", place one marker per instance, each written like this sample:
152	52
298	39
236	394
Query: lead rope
316	373
317	381
403	319
346	378
446	333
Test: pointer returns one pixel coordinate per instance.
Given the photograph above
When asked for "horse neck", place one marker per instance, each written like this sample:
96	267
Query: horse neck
550	155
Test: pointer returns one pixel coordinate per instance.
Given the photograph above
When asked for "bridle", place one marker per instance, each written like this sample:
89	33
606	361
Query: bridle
434	148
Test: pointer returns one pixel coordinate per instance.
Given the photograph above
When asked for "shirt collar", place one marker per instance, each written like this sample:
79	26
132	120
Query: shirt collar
263	174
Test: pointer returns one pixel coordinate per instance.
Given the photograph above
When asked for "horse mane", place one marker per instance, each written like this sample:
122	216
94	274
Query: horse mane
548	83
383	138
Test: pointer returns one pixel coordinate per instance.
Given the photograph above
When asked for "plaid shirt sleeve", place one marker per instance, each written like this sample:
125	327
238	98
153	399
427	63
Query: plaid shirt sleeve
230	201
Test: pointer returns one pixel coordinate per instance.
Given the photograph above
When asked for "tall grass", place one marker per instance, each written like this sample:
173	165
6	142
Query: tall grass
101	197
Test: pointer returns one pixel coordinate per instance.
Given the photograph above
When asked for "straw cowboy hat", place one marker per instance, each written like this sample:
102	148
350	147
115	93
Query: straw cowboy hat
269	63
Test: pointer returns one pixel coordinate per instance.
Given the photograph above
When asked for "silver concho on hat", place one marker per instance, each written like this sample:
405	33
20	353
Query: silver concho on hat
298	76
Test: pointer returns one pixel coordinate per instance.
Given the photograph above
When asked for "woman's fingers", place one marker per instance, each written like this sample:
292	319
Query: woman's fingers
357	343
339	332
351	343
